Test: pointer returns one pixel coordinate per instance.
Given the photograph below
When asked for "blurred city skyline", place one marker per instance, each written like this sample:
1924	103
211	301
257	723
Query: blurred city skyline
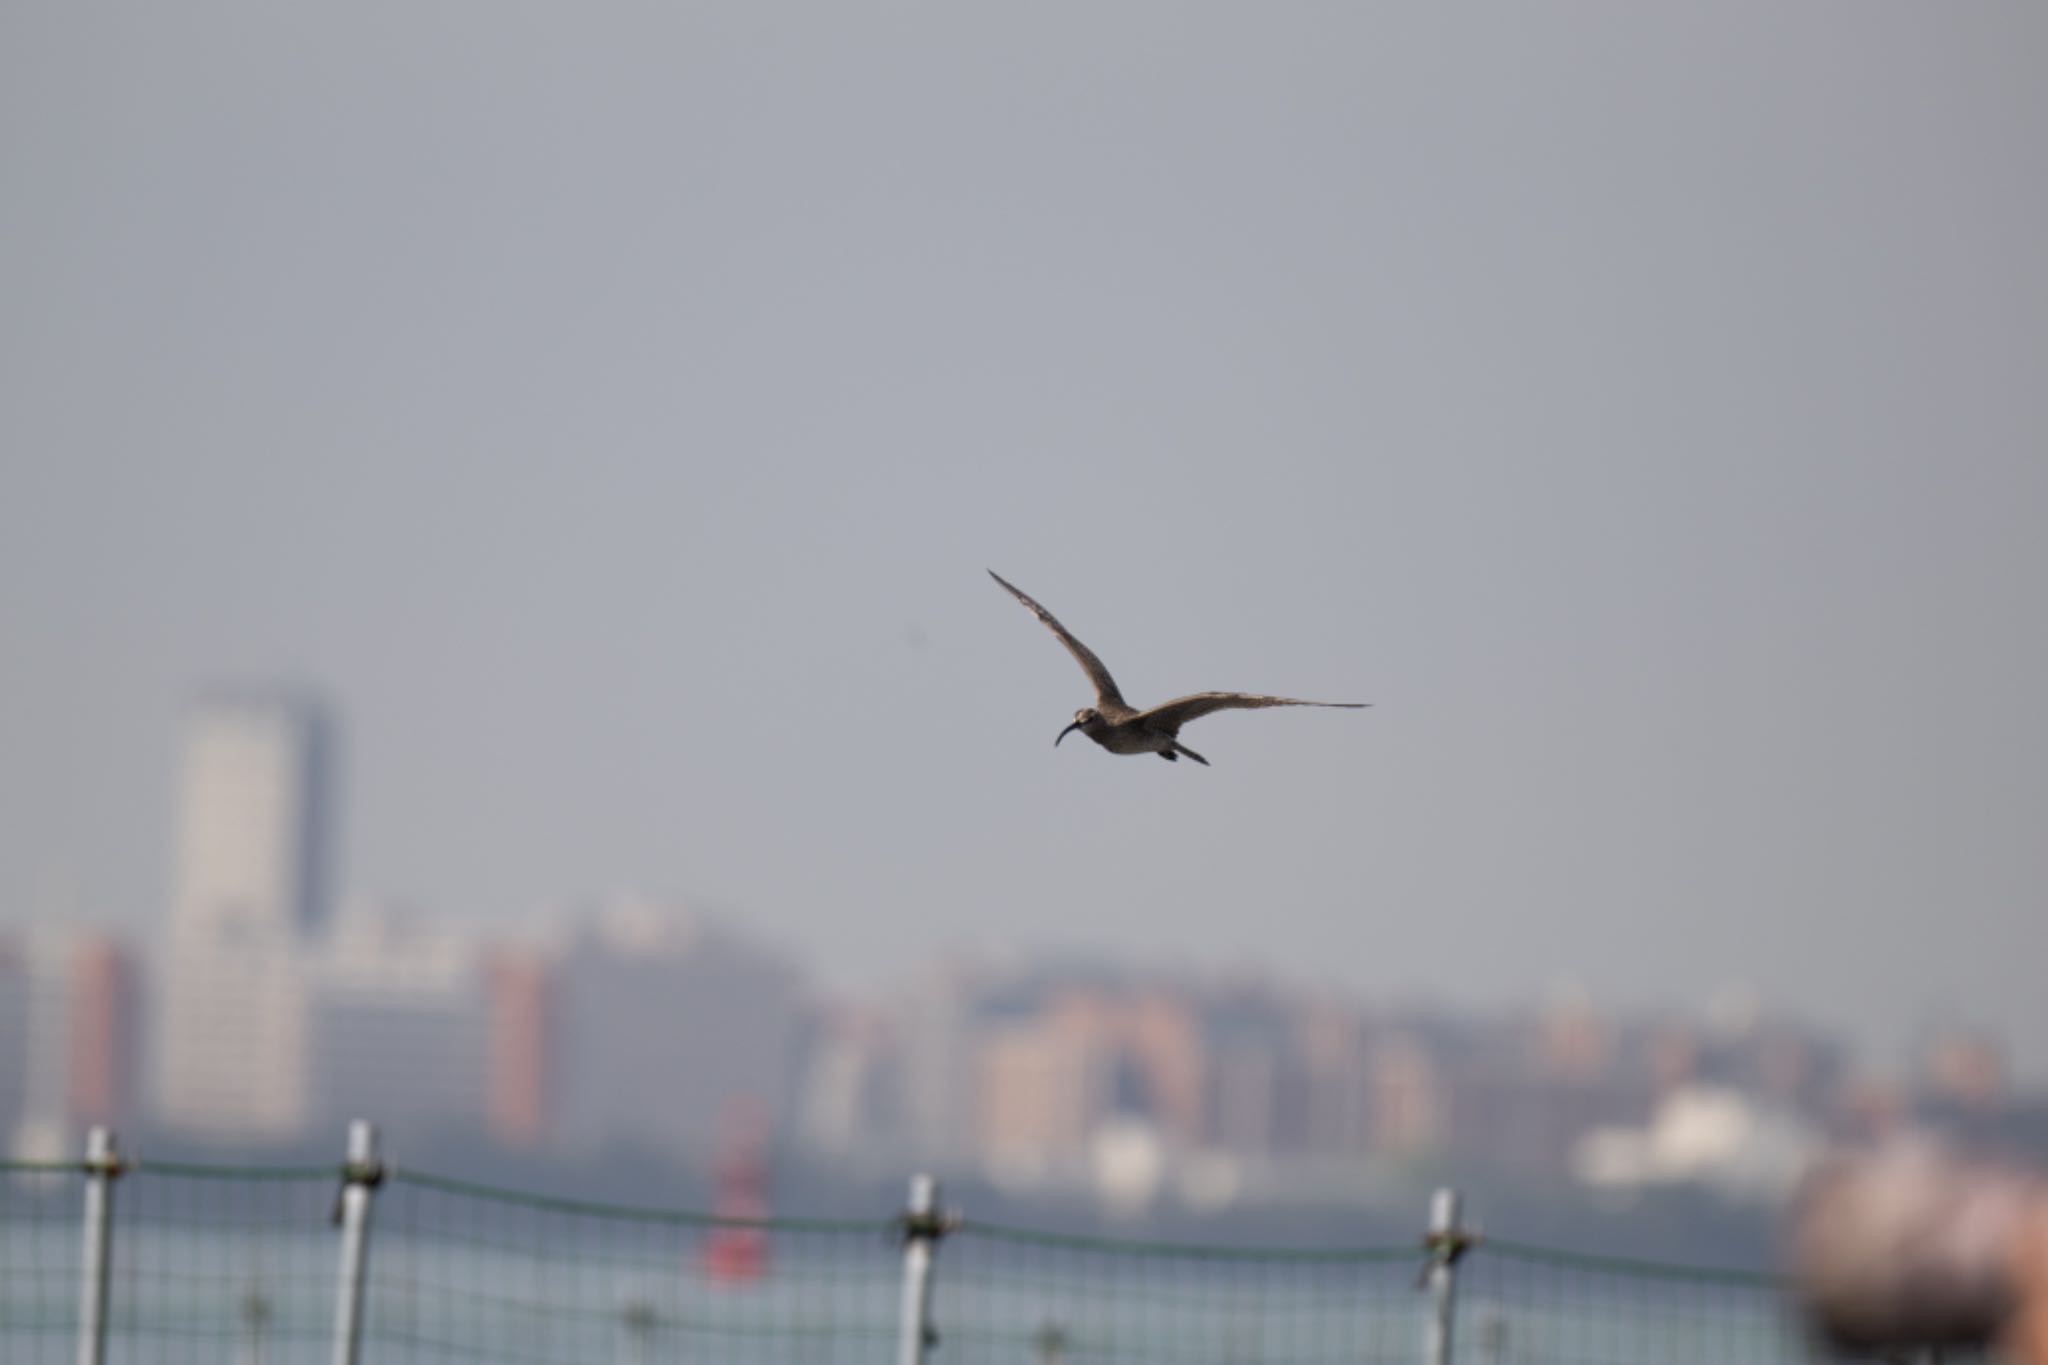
311	804
260	1014
613	414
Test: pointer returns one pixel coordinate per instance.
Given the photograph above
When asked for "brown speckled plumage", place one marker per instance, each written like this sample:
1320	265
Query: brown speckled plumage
1123	729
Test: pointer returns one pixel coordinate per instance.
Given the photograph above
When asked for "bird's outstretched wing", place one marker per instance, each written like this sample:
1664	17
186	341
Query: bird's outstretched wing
1107	697
1171	715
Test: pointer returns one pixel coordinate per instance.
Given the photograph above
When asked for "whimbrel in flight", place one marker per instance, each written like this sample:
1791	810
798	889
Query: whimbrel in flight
1123	729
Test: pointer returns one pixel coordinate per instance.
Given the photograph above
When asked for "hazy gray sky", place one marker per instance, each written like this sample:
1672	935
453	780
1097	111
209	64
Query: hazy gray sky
613	410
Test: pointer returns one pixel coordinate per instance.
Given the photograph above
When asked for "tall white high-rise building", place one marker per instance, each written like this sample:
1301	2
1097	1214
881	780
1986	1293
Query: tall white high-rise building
252	835
249	883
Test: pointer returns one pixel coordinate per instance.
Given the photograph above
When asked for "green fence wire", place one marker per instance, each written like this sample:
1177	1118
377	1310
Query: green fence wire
39	1259
466	1272
1539	1306
221	1264
1014	1297
240	1264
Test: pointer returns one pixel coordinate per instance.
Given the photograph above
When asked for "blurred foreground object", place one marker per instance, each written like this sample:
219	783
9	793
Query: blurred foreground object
1910	1246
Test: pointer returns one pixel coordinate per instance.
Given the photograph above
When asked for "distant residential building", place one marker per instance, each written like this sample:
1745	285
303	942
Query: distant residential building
102	1032
397	1030
1069	1067
1033	1100
1337	1074
231	1057
1523	1089
525	1005
1058	1065
847	1100
938	1024
1775	1058
1249	1042
1245	1080
1573	1042
667	1022
1162	1041
68	1035
1409	1103
249	882
15	1045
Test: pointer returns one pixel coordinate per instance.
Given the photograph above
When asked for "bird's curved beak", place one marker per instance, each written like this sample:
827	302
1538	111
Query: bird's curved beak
1064	733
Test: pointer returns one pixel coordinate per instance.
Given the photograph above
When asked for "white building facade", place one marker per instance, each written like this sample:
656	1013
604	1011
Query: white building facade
250	868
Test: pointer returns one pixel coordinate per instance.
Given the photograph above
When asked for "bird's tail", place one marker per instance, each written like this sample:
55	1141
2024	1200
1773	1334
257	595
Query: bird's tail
1181	748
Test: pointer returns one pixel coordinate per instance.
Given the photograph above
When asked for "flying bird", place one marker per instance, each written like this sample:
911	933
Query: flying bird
1123	729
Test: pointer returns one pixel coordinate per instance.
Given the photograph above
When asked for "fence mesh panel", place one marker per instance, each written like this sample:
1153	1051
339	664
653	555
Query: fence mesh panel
214	1264
462	1272
240	1264
1010	1297
1533	1305
39	1259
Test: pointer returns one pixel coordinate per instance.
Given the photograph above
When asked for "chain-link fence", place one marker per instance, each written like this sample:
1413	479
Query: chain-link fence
252	1265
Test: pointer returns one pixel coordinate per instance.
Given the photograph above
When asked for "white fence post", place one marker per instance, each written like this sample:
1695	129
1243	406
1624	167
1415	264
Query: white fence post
1446	1243
102	1168
361	1174
923	1226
